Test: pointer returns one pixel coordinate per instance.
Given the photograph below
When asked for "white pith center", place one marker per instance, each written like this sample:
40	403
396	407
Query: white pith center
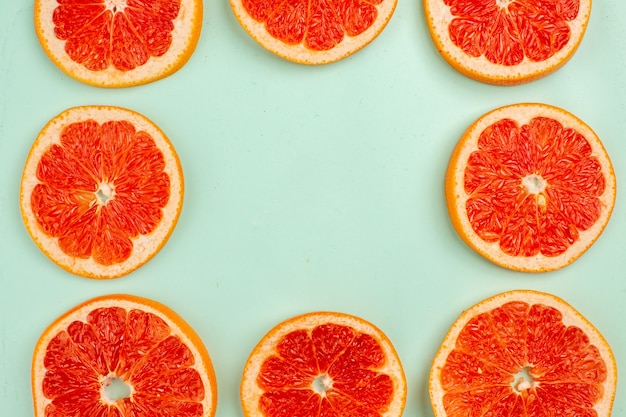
523	380
104	193
114	389
115	5
535	184
322	384
503	4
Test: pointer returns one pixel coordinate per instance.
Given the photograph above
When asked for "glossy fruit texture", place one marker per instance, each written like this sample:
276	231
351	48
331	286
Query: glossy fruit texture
523	353
507	41
507	35
125	37
321	365
116	43
538	188
317	32
128	342
97	188
317	24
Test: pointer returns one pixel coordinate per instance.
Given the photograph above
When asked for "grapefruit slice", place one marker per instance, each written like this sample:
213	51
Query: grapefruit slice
313	32
530	187
122	356
118	43
507	42
102	190
523	353
323	364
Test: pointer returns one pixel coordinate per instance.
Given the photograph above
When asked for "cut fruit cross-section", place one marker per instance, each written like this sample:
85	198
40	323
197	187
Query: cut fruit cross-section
313	32
523	353
507	42
102	190
530	187
122	356
323	365
118	43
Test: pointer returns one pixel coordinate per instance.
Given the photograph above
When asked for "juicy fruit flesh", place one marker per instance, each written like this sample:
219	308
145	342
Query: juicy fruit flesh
119	33
99	187
507	31
520	359
533	188
319	24
133	346
330	371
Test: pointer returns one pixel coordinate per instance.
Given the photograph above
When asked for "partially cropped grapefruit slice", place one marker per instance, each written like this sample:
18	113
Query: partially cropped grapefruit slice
102	190
118	43
523	353
313	32
507	42
530	187
323	364
122	356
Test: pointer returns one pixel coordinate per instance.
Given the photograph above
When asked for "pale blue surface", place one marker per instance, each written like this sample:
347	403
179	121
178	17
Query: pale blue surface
307	188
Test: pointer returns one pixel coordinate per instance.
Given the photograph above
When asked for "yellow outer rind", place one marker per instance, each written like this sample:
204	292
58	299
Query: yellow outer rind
299	53
145	247
185	37
178	325
438	18
456	196
571	317
250	392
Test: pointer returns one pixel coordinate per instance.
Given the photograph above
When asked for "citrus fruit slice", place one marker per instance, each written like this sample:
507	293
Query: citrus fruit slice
102	190
323	364
313	32
530	187
507	42
122	355
523	353
118	43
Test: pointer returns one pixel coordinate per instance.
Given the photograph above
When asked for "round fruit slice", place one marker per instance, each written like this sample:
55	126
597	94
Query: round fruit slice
323	364
313	32
523	353
530	187
122	355
118	43
102	190
507	42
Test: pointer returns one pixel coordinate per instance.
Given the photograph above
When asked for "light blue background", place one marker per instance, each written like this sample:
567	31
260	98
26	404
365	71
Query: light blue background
307	188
